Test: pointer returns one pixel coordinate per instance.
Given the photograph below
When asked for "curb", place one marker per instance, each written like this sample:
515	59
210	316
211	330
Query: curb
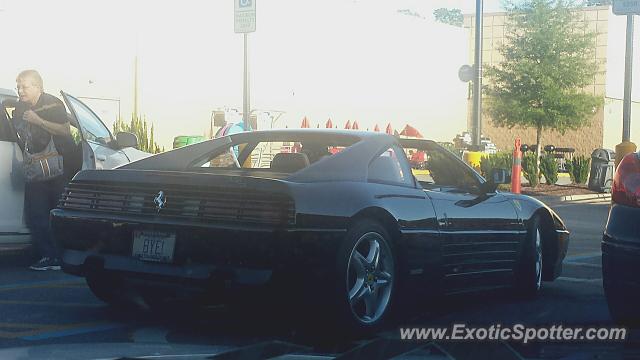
17	255
603	197
583	197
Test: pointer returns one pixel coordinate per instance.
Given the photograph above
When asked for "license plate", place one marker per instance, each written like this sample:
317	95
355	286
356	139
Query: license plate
153	245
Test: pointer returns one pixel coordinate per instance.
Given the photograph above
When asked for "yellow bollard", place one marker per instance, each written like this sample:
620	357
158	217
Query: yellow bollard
473	158
624	148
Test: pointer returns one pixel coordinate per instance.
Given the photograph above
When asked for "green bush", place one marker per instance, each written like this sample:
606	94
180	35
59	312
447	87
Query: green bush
529	169
501	160
549	168
449	146
579	168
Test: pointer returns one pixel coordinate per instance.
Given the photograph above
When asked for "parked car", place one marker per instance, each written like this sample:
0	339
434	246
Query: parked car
343	221
621	243
96	149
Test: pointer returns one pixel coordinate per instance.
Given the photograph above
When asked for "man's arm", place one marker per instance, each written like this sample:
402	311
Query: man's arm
55	128
62	129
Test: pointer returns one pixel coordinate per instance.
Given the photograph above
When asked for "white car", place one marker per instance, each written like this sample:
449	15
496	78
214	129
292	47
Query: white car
96	148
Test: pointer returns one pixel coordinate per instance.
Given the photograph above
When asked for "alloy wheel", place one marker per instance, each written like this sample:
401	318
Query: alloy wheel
370	277
538	260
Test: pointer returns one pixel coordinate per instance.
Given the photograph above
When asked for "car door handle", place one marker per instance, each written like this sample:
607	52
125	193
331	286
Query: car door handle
101	158
444	221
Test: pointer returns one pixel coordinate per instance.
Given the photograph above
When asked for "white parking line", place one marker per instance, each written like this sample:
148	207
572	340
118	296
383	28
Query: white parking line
155	335
582	257
595	266
579	280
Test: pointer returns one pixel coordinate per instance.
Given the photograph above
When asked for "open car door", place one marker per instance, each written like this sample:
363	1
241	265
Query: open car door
99	148
12	225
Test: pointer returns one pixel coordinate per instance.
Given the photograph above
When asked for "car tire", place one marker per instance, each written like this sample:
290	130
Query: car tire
528	277
366	278
109	288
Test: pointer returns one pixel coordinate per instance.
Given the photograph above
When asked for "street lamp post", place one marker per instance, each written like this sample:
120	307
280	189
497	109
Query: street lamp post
628	9
474	154
626	146
477	80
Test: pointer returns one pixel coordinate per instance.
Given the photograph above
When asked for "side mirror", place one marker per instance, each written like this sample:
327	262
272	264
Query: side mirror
497	177
500	176
125	140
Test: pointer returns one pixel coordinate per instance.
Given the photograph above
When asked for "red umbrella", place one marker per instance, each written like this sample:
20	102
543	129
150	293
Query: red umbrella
329	124
348	124
389	129
410	131
355	125
305	123
377	128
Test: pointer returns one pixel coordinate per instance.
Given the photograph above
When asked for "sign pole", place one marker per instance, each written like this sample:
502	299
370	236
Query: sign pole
246	94
628	66
244	23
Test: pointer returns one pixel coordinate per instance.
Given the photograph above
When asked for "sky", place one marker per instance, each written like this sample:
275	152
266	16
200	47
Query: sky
340	59
344	59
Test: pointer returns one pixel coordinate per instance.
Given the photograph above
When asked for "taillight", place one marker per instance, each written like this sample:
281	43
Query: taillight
626	182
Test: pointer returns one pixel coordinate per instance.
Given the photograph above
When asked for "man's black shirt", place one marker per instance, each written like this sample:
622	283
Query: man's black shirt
49	108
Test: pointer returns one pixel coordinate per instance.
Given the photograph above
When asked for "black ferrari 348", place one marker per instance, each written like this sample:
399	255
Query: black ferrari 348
340	214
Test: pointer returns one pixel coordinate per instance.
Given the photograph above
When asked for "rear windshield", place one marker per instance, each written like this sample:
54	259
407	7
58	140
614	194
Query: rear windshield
275	156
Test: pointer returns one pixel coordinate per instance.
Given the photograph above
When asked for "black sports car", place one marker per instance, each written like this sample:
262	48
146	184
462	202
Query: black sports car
341	213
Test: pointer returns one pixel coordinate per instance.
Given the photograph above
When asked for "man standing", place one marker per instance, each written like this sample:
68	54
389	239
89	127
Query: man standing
39	118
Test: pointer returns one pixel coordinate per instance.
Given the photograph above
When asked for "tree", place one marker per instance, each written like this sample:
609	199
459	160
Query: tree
548	60
140	128
449	16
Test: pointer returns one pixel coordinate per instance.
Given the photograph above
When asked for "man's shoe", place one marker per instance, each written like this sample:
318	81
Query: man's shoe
46	263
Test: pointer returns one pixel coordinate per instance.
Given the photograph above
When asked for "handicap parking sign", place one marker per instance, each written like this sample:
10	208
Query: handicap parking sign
245	16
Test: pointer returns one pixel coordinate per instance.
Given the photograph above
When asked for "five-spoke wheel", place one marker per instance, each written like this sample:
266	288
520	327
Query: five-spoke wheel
370	277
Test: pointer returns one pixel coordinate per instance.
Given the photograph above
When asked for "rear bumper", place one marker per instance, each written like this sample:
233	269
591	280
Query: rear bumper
621	249
621	265
204	255
83	263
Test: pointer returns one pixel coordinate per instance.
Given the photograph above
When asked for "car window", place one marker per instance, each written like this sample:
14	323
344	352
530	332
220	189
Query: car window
6	132
281	156
92	127
228	158
389	169
435	168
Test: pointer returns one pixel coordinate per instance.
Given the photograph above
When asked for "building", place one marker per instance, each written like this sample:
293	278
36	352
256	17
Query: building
583	140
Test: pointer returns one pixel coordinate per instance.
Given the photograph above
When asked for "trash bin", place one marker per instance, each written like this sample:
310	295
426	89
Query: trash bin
602	169
180	141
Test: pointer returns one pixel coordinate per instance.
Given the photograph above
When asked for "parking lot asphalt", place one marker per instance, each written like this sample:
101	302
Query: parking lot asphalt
55	309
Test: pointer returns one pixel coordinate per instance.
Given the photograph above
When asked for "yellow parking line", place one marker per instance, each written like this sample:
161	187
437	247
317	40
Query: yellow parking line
44	286
23	325
36	329
69	285
32	329
48	303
